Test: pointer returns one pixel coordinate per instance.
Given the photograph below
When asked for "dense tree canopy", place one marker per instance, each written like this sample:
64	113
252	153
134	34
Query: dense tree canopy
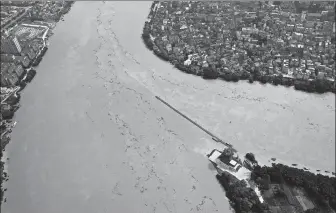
243	198
320	188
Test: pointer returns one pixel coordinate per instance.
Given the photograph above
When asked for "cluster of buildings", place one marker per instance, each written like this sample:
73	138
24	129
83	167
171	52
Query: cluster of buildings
290	39
18	54
50	10
23	35
8	14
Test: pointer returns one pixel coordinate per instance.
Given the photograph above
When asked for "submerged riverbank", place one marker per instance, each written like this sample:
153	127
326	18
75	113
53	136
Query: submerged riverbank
281	187
10	98
259	188
182	63
311	86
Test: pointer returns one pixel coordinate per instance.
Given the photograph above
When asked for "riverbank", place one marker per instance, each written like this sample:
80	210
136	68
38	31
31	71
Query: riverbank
184	64
9	104
284	183
318	86
267	188
280	187
10	100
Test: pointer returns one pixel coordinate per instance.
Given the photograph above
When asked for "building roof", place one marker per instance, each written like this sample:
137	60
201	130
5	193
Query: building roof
11	67
314	14
4	67
233	162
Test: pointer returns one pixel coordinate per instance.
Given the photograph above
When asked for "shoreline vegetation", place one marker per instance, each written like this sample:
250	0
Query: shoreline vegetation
12	94
283	188
318	189
307	85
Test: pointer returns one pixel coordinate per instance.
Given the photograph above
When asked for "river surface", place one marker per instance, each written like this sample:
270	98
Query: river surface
91	137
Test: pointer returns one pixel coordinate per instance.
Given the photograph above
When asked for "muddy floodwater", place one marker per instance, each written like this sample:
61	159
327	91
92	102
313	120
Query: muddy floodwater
91	136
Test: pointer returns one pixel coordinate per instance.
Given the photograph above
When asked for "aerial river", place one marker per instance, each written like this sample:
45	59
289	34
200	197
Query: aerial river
91	137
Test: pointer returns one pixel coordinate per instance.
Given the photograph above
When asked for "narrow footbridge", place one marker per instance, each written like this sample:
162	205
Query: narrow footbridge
214	137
